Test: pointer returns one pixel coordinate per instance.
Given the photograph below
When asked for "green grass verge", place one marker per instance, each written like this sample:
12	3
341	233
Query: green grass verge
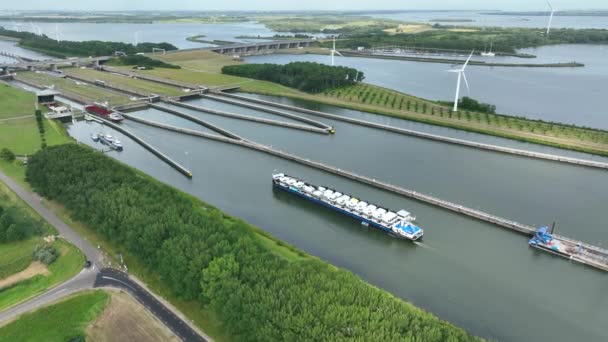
21	136
65	267
15	102
139	85
16	256
87	92
16	172
59	322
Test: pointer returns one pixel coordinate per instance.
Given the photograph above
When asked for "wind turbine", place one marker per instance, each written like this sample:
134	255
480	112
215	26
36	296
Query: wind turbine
334	52
16	25
461	74
136	38
57	33
36	29
550	17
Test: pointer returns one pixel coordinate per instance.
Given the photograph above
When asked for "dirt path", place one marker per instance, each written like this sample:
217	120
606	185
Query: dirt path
34	269
125	319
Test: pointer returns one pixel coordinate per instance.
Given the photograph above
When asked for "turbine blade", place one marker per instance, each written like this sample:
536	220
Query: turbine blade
468	59
464	76
551	7
338	53
453	70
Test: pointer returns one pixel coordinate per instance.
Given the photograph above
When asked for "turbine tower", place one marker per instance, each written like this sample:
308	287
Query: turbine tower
461	74
57	33
334	52
550	17
136	38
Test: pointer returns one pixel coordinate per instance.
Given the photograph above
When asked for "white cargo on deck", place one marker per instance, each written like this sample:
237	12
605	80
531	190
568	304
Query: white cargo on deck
370	209
389	217
352	203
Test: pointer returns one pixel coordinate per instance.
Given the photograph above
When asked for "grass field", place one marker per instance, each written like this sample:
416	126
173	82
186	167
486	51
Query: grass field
21	136
200	60
85	91
15	171
66	266
125	319
16	256
139	85
18	129
58	322
15	102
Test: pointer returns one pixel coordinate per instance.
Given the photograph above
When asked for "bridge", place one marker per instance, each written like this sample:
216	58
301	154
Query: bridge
24	63
29	64
247	48
19	59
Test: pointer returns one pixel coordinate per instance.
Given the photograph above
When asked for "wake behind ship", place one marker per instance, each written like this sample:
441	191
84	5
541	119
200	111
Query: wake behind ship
398	224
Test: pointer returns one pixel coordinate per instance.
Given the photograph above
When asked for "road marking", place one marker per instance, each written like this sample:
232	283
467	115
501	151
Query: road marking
120	281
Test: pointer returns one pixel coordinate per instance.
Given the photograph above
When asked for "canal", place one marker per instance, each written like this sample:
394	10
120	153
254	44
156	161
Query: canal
473	274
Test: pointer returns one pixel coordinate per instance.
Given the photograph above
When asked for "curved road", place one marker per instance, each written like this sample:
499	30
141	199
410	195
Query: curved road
94	277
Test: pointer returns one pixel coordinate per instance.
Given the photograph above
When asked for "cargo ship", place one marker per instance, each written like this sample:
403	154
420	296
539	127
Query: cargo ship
398	224
104	112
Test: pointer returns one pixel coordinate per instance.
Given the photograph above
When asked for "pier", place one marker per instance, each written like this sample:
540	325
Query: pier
250	105
457	208
429	136
201	122
148	147
250	118
117	88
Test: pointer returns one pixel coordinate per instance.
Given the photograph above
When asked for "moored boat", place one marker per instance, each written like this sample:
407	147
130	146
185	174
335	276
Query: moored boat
103	111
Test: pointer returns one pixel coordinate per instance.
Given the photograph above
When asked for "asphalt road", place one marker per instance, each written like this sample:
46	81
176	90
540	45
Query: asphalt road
94	277
114	278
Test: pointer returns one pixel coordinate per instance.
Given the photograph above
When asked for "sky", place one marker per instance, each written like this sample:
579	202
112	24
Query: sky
266	5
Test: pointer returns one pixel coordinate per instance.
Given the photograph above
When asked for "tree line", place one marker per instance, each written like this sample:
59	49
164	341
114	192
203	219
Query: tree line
141	61
502	39
16	225
80	49
203	254
306	76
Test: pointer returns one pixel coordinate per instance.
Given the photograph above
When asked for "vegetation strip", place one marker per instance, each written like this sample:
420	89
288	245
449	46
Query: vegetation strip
349	53
63	321
203	254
